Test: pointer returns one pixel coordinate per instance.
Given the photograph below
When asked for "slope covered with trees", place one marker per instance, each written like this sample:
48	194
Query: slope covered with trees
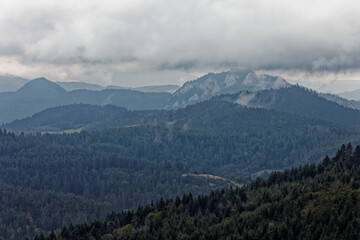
302	102
46	186
307	202
214	144
81	116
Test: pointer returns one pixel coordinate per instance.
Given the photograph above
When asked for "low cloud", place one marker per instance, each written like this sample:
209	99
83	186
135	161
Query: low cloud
103	41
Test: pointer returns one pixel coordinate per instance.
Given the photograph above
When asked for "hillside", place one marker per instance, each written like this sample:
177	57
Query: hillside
308	202
46	185
169	153
81	116
299	101
216	137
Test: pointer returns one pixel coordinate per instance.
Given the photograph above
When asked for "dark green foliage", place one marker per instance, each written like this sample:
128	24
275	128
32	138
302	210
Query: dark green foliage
24	211
55	185
81	116
208	150
308	202
128	166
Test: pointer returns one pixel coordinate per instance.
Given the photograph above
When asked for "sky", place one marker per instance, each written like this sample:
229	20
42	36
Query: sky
149	42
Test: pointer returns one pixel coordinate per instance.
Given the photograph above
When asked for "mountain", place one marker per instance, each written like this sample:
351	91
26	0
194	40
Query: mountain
278	95
69	86
307	202
351	95
155	88
40	94
36	95
223	83
299	101
10	83
294	100
41	88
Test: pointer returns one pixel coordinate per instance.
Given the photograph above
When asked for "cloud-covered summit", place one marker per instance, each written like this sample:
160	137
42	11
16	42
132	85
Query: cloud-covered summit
167	39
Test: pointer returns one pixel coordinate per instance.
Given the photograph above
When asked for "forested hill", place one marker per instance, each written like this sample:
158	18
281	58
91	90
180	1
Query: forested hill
300	101
307	202
82	117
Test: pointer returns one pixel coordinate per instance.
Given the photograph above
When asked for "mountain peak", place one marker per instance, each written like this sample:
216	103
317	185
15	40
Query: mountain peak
213	84
41	86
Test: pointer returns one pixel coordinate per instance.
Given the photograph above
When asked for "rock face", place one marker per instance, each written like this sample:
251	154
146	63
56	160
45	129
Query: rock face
213	84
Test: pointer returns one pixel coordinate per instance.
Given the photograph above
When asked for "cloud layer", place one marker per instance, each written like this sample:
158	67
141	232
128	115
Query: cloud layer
133	39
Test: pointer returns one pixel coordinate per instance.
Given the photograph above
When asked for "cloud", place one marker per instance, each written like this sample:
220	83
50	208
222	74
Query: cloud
179	37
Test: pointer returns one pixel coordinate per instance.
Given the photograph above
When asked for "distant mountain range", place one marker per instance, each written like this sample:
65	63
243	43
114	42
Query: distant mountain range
69	86
346	102
40	94
250	89
154	89
10	83
351	95
294	100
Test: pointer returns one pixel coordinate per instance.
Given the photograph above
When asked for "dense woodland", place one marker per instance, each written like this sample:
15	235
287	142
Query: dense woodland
46	175
307	202
73	178
39	181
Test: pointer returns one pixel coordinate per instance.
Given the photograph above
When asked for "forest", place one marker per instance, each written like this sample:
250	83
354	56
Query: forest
79	177
307	202
72	178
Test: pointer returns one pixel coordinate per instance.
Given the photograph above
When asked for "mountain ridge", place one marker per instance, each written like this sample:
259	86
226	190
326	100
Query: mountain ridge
294	100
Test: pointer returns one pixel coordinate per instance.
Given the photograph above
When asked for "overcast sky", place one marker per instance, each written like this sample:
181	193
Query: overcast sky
146	42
